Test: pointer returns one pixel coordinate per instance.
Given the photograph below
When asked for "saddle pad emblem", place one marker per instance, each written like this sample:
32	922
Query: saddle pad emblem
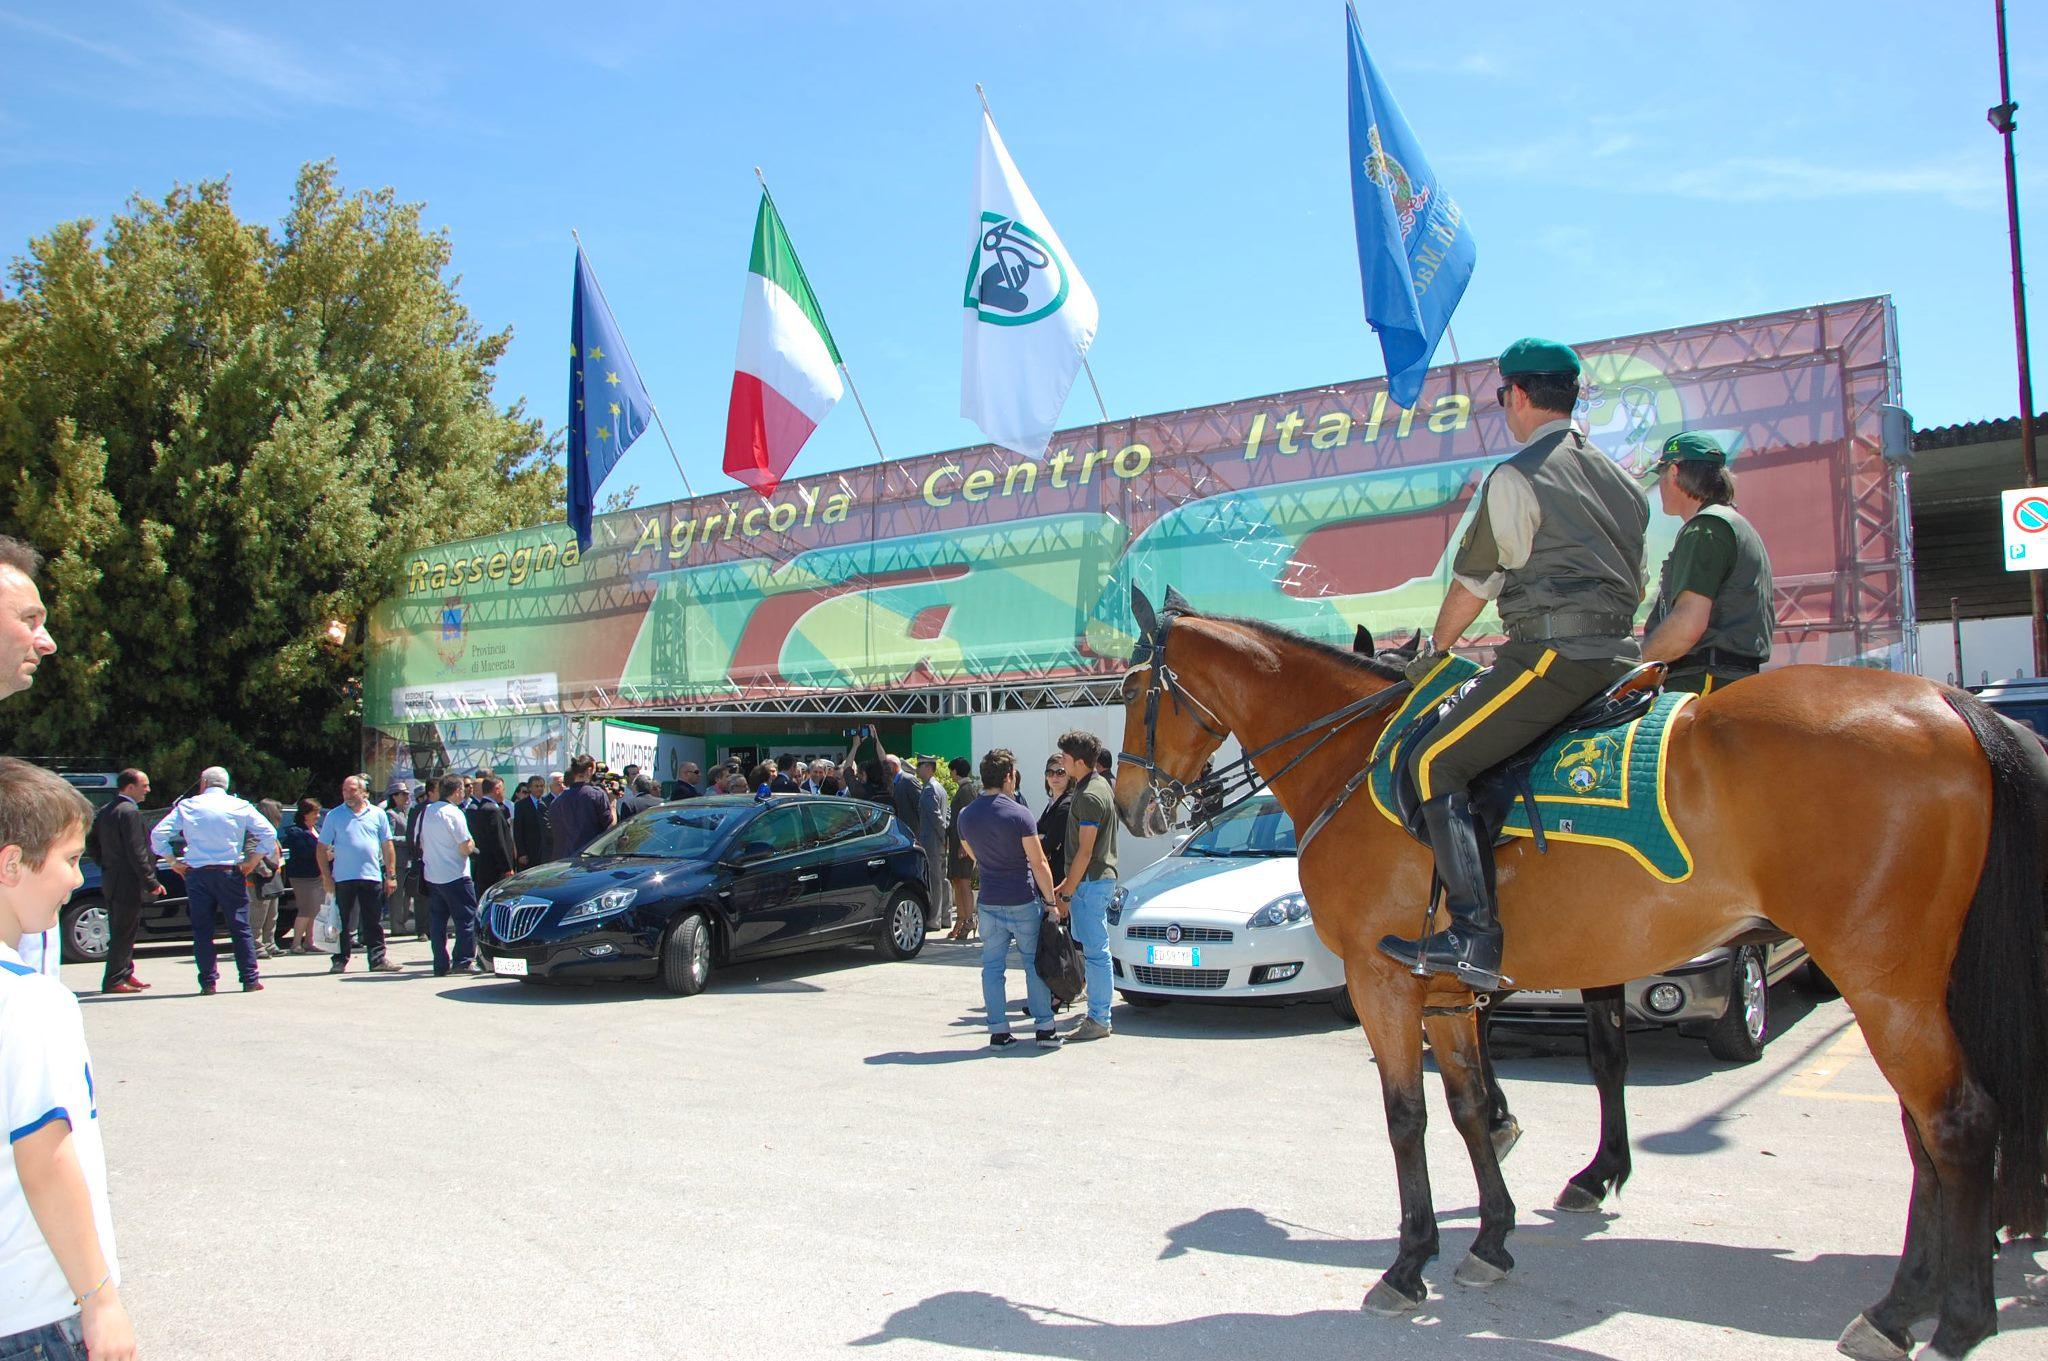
1587	764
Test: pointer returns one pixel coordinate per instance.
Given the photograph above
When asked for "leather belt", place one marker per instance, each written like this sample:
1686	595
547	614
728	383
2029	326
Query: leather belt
1719	659
1571	624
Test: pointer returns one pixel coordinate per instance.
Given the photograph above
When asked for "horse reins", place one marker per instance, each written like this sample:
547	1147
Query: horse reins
1239	776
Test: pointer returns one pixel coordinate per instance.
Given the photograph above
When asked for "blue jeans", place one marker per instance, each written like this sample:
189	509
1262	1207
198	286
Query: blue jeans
1090	909
63	1340
456	899
1000	926
213	892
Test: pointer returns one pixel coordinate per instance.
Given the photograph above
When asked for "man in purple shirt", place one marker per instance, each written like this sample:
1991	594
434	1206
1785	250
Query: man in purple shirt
1002	837
580	812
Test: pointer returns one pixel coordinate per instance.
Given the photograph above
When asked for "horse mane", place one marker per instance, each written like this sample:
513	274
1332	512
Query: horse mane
1357	661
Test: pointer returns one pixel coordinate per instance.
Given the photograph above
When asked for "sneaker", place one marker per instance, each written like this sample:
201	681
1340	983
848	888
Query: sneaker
1049	1039
252	987
1002	1041
387	967
336	966
206	989
1089	1029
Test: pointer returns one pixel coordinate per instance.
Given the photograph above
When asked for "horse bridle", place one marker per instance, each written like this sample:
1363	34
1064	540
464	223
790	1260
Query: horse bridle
1151	654
1240	777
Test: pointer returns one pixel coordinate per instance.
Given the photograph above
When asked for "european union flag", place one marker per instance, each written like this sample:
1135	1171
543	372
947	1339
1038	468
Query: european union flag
608	405
1415	252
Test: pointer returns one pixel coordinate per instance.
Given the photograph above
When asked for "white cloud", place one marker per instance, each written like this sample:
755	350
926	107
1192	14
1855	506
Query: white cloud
193	64
1964	181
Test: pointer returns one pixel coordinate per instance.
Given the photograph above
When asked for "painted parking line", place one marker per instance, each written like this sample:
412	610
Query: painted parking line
1812	1080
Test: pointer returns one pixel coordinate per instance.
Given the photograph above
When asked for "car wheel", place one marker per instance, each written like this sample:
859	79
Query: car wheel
902	931
1147	1000
1739	1036
1813	980
686	956
87	933
1344	1007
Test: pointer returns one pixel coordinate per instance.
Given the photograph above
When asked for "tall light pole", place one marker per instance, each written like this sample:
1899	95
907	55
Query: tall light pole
2003	122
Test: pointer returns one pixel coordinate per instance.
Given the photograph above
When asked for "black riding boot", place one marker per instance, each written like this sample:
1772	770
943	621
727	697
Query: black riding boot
1469	949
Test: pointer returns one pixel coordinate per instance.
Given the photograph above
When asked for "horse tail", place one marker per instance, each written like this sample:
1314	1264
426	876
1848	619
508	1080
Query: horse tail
1998	984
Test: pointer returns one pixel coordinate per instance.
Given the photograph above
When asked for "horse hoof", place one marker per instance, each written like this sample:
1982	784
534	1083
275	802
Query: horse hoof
1478	1273
1865	1341
1576	1199
1505	1137
1388	1302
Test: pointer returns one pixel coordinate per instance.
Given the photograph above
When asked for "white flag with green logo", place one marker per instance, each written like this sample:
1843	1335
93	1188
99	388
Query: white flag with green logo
1030	316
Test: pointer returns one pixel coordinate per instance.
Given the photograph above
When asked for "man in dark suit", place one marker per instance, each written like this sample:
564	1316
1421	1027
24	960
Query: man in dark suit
127	877
491	830
687	785
530	825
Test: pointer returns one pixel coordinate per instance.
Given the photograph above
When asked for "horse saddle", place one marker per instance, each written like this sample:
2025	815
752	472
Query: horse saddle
1495	792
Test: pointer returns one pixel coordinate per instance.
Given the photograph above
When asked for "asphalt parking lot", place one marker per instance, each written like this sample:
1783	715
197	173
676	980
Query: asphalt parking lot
818	1156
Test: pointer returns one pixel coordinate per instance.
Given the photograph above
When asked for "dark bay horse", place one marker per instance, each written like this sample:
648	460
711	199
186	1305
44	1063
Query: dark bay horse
1893	825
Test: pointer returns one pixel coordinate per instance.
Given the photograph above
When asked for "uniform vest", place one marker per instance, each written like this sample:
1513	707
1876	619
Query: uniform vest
1743	617
1587	556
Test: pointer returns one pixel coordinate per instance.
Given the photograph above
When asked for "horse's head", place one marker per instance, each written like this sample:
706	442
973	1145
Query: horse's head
1168	734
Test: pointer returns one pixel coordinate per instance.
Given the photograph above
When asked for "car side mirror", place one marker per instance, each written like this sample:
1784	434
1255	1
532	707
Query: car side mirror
757	850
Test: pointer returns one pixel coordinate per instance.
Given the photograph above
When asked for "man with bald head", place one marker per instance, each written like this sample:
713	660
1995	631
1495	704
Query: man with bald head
359	862
24	641
224	838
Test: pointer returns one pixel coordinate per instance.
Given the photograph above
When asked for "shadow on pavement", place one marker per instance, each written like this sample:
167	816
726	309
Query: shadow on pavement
982	1323
1768	1291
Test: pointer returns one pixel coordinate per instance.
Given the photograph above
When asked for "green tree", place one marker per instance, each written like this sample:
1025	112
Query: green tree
225	437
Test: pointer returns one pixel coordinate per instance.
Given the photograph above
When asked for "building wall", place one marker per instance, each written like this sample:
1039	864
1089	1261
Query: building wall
1993	649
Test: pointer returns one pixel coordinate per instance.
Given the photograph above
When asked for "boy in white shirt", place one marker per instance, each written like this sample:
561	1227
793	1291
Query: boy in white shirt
59	1281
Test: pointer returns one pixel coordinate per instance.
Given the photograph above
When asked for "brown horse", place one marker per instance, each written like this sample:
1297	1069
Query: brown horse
1893	825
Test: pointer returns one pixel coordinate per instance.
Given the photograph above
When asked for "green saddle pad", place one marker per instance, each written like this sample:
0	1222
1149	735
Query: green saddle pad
1602	788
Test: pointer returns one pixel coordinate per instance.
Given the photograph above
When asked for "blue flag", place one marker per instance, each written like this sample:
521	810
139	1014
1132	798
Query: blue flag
1415	252
608	406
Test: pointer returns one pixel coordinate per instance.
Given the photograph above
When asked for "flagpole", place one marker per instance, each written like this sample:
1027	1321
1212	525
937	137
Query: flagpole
881	457
654	410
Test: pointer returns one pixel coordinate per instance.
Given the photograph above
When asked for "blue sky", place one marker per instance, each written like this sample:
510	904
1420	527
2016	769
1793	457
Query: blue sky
1648	168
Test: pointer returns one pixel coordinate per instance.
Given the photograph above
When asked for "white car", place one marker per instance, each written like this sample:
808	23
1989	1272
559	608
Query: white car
1222	919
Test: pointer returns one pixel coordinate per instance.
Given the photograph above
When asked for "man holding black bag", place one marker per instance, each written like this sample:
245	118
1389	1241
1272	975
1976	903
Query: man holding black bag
1002	837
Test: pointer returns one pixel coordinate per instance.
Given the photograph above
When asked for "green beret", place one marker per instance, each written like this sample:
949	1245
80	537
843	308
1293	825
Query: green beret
1531	355
1696	446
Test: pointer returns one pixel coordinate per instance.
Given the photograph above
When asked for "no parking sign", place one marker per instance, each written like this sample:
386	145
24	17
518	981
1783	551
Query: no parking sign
2026	528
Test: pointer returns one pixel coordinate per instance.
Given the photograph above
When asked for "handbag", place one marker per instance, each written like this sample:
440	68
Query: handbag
1058	960
326	935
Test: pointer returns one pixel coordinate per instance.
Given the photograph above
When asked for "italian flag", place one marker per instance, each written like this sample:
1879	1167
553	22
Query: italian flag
787	374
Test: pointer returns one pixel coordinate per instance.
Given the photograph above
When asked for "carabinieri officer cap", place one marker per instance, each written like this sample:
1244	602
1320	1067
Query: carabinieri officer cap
1531	355
1693	446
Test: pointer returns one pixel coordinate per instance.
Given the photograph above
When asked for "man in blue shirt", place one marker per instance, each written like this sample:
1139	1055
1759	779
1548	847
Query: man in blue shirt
224	837
1001	836
359	862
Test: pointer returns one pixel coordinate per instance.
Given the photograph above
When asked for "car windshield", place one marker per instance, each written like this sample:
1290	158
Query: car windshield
683	833
1254	828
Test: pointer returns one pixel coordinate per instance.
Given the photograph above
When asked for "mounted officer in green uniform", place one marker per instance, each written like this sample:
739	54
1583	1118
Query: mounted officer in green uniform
1557	544
1714	618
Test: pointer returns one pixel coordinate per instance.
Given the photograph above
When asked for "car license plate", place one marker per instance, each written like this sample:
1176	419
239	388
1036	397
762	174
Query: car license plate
1541	994
1174	956
509	965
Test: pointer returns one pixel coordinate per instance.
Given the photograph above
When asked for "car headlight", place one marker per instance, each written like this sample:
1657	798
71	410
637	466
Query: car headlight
1116	905
1282	911
603	905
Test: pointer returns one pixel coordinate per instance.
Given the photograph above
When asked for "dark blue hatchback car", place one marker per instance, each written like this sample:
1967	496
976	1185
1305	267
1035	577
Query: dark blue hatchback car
686	887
